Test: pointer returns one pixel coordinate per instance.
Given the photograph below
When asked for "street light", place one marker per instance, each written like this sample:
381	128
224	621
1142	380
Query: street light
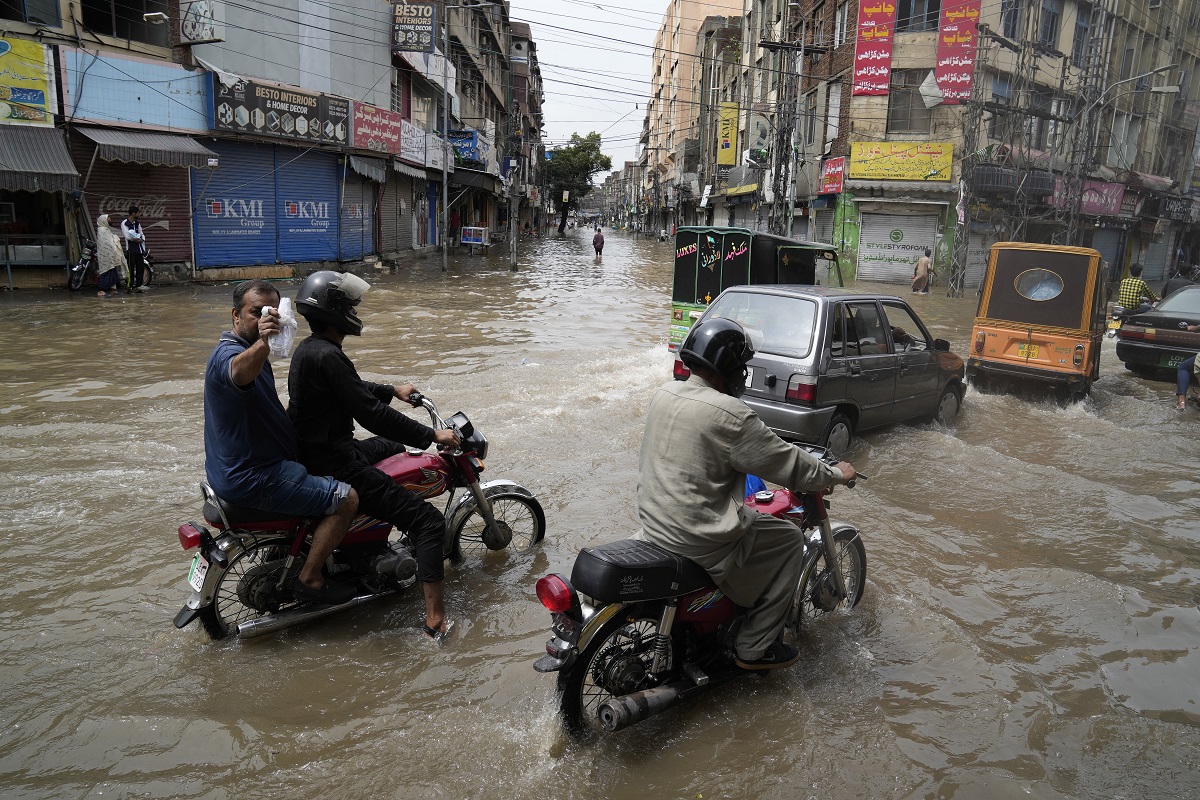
446	124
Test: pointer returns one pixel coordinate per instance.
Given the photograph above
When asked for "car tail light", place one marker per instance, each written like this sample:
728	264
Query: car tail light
980	338
190	535
1128	331
681	372
556	594
1078	354
802	389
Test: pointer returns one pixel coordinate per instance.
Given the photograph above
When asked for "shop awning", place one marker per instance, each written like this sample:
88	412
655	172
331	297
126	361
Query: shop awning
140	147
410	171
373	169
734	191
35	158
474	179
1155	183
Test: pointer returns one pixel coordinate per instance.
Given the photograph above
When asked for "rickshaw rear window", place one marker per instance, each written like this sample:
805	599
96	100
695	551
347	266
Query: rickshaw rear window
1038	284
786	323
1185	302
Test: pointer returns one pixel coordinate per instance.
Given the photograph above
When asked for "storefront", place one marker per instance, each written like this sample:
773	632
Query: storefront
890	243
36	176
361	179
396	210
122	169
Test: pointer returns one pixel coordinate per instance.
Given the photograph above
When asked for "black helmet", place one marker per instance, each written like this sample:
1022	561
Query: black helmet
329	298
722	346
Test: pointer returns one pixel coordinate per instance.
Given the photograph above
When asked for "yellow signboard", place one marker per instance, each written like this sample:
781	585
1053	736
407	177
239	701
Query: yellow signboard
727	135
26	92
901	161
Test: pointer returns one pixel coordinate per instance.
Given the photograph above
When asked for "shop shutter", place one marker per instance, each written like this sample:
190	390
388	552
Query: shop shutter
977	258
890	245
234	219
357	217
1154	268
395	214
822	230
160	192
306	185
1107	242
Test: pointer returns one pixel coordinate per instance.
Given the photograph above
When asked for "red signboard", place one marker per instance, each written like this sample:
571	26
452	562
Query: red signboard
1098	198
873	51
833	171
956	50
376	128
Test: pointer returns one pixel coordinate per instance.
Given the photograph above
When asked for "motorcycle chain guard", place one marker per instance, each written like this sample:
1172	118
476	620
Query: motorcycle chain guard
259	587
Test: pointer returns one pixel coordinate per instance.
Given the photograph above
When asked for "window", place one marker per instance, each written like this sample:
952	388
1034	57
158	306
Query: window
36	12
1079	41
817	25
906	110
1038	284
918	15
123	19
810	118
1050	22
1122	150
833	120
1010	18
841	24
1037	128
999	126
1127	60
864	330
907	334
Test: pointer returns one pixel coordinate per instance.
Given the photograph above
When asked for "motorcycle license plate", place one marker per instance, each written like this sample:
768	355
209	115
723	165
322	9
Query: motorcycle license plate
1027	351
1113	324
197	572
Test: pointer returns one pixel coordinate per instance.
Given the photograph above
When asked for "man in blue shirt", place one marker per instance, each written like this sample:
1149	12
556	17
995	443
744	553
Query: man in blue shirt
250	448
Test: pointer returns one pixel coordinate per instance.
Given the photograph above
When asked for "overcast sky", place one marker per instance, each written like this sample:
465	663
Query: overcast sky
592	83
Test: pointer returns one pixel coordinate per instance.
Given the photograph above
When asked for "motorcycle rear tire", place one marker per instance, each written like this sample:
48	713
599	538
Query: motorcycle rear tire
523	515
78	276
221	617
852	557
580	696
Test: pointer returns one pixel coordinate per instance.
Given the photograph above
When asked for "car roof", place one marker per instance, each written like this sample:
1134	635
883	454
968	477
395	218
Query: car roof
813	292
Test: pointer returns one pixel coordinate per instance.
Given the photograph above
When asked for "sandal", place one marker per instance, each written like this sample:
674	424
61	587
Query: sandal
436	635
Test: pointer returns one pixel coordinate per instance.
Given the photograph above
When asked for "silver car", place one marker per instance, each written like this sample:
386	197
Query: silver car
831	363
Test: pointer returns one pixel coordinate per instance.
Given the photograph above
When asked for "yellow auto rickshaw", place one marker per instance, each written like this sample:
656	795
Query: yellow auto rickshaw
1041	318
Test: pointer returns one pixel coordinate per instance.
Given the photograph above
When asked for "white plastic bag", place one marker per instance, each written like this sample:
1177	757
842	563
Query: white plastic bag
281	343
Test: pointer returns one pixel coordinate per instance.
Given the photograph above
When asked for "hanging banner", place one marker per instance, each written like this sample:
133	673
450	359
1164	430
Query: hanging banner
901	161
26	85
873	51
833	173
414	26
249	107
956	50
727	134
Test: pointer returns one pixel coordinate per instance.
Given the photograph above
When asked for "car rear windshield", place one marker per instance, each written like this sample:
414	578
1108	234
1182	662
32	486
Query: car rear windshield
1186	302
784	323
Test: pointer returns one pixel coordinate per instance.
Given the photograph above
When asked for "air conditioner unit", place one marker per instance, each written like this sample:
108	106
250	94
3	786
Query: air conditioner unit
1154	3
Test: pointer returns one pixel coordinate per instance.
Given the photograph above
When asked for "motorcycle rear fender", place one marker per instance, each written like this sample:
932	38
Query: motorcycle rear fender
595	622
191	609
466	504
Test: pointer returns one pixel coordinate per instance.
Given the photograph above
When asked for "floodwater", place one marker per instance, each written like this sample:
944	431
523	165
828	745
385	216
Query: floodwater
1030	625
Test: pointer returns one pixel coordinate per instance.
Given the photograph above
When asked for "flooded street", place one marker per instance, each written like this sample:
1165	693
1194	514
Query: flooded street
1029	629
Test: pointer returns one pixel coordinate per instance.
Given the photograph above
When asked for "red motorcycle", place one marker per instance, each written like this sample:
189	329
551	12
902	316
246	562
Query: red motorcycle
638	629
240	574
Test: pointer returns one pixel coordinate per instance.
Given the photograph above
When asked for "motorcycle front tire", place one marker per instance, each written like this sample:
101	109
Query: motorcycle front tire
807	606
523	515
78	276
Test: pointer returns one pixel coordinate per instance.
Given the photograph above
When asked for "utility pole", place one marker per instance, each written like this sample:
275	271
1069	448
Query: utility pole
972	120
791	93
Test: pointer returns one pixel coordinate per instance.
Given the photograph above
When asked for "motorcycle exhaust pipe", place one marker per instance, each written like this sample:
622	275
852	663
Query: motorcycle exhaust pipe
262	626
629	709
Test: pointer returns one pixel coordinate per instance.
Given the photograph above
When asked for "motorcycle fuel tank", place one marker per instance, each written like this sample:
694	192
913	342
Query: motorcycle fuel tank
423	474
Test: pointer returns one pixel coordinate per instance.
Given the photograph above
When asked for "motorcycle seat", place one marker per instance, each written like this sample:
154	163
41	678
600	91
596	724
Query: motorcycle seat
237	514
632	570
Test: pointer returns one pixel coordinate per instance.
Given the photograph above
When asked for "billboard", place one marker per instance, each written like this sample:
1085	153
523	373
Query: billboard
956	50
27	93
873	50
727	134
249	107
414	26
901	161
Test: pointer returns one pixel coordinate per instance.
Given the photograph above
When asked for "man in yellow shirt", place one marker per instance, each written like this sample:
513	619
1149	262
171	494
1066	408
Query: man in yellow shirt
1133	289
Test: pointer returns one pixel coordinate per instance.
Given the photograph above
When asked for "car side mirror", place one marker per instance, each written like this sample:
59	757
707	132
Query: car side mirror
941	345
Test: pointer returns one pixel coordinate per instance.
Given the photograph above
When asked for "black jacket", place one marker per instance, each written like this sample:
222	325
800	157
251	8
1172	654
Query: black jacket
327	397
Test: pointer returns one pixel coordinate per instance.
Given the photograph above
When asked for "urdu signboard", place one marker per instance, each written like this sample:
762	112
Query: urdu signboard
901	161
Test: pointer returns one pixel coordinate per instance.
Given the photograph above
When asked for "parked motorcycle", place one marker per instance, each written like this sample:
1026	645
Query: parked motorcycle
79	272
637	629
240	573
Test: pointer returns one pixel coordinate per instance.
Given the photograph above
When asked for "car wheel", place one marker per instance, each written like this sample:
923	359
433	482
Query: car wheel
948	405
839	435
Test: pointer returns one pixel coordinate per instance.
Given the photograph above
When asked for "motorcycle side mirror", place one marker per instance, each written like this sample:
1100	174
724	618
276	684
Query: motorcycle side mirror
941	345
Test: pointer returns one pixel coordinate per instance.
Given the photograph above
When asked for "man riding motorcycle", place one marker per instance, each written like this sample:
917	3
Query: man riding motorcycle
700	443
327	397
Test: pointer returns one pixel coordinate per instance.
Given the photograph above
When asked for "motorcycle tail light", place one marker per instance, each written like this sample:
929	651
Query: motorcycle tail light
980	338
1078	354
190	535
556	594
681	372
801	389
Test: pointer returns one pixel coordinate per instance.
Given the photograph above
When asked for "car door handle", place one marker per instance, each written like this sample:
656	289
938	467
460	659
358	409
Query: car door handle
855	368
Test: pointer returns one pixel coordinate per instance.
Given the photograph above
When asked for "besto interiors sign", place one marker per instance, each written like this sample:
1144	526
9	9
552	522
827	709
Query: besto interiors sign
249	107
414	26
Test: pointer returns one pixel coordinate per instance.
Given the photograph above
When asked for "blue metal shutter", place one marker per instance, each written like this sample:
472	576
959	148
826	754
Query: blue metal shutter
1108	242
234	220
306	184
357	217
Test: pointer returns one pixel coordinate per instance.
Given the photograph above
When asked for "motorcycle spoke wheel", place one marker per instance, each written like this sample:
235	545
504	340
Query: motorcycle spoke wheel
619	653
76	278
522	515
815	596
229	607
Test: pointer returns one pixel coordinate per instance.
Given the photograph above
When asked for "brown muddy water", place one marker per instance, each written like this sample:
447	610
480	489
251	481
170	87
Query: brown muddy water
1029	630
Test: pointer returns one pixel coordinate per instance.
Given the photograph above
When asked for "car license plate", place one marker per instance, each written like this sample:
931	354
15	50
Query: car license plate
197	572
1172	360
1027	350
